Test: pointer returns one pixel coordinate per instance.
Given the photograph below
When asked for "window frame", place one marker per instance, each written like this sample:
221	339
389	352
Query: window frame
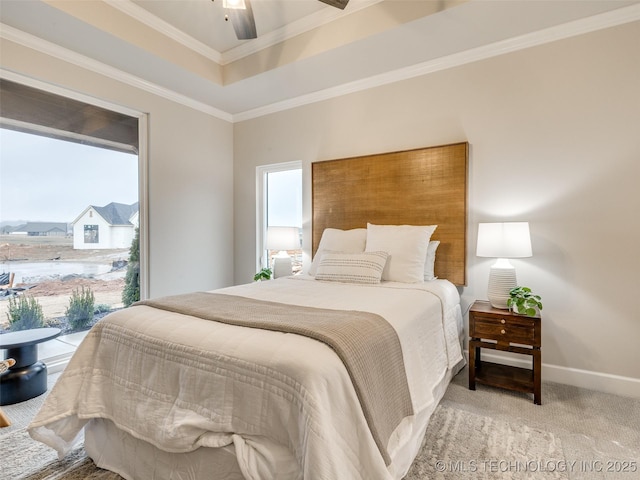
143	161
261	205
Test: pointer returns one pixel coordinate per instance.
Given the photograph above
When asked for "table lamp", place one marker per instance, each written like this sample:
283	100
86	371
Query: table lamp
503	241
282	239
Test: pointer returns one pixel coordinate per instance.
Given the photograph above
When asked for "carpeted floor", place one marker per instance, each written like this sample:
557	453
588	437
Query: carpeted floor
576	434
490	433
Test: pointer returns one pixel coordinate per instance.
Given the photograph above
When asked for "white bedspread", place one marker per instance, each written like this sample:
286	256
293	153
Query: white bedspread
285	401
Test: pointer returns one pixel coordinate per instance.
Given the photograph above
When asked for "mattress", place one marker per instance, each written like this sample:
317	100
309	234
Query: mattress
186	396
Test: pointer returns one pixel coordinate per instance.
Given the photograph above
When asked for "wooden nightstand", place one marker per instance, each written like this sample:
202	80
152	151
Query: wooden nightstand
502	330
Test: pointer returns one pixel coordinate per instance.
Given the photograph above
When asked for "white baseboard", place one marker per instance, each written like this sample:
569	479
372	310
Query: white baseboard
602	382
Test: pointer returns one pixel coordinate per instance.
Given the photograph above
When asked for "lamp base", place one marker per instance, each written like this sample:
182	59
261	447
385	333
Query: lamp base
282	266
502	278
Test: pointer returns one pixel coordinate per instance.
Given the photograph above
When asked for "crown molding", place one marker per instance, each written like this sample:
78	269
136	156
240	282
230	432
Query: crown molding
140	14
577	27
30	41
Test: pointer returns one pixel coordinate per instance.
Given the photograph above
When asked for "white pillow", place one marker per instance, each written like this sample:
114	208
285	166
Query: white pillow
430	261
365	267
407	247
333	239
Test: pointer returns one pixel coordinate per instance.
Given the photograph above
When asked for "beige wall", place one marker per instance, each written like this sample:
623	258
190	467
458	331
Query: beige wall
555	140
190	175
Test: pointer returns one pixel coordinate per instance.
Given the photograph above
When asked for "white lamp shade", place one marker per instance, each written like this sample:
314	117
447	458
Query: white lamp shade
504	240
283	238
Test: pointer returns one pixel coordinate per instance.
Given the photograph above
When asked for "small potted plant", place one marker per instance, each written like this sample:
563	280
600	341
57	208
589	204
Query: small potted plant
523	301
264	274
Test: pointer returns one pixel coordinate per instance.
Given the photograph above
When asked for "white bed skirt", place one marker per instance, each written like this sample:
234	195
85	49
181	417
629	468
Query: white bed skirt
135	459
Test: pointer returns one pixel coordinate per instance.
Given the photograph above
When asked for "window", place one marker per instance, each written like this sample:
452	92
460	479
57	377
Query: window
91	234
56	146
279	205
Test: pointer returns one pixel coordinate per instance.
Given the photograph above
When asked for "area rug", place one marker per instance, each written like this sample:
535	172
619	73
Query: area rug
458	445
463	445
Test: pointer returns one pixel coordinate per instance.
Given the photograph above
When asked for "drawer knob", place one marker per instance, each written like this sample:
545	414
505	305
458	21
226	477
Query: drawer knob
503	321
502	331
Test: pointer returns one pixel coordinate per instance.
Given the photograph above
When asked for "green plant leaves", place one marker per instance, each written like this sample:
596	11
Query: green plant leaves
81	308
264	274
131	291
24	313
524	301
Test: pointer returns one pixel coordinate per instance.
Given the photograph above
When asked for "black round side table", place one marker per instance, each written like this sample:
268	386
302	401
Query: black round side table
28	377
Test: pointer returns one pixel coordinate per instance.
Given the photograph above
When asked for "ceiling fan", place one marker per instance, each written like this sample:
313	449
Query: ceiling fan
241	15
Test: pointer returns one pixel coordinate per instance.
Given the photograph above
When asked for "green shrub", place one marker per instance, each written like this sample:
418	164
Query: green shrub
102	308
25	313
131	291
81	308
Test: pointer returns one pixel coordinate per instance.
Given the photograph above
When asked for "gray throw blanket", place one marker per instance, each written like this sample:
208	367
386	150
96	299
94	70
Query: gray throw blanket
365	342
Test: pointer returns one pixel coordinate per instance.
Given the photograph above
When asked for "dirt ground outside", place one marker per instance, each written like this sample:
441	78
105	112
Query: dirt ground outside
53	290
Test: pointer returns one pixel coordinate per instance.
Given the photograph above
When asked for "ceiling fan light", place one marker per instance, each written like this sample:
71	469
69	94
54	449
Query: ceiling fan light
235	4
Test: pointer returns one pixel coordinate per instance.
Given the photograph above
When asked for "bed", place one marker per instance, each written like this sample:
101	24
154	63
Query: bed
183	387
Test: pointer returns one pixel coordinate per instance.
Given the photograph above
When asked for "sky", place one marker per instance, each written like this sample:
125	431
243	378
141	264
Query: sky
284	204
48	180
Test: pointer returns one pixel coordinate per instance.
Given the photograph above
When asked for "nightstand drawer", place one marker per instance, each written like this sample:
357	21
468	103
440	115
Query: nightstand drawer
507	329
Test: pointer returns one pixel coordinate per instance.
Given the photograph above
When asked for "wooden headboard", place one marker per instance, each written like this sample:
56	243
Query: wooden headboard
427	186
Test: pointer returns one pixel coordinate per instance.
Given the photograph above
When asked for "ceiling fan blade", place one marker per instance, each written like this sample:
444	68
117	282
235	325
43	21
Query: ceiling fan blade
243	22
336	3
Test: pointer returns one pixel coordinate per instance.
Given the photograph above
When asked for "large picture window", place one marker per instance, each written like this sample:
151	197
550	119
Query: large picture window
71	152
